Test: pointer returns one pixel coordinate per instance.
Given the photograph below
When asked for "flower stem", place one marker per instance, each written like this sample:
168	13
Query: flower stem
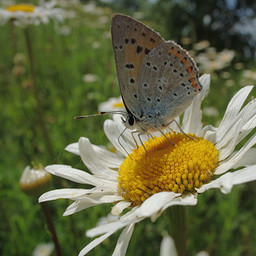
36	96
51	228
178	227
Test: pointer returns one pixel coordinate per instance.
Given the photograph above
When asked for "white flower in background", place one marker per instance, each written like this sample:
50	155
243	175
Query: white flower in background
43	250
27	14
90	78
167	248
201	45
95	45
35	181
249	75
211	60
168	175
112	104
91	8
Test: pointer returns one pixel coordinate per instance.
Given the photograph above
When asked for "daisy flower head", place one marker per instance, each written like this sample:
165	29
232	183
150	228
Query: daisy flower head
168	175
27	14
112	104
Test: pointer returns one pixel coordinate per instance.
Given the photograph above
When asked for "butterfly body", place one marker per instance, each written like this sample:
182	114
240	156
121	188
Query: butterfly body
158	79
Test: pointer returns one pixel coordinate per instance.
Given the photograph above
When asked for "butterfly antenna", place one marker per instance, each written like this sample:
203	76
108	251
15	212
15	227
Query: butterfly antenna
102	114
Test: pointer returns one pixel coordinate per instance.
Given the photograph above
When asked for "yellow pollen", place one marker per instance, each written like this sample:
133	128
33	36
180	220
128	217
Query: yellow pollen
180	168
21	8
118	105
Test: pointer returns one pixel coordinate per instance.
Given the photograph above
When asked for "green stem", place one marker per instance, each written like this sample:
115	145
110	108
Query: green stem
178	227
36	96
51	228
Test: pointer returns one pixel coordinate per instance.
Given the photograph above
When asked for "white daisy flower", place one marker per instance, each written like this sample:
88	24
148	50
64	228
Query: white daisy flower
90	78
27	14
169	175
43	250
112	104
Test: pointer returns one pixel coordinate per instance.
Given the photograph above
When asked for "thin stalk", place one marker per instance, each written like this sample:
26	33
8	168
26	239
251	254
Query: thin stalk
178	227
39	110
51	228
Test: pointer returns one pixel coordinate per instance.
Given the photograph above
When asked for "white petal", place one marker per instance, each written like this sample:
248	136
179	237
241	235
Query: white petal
209	133
119	207
234	160
95	242
73	148
168	247
158	201
63	193
113	134
91	200
247	159
189	199
232	110
113	226
192	116
78	176
228	180
123	241
93	162
110	159
244	122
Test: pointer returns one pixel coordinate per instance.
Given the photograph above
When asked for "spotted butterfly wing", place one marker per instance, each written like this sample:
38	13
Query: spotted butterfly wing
167	83
132	41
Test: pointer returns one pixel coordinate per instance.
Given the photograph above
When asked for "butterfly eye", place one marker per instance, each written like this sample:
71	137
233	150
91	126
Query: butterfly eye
130	121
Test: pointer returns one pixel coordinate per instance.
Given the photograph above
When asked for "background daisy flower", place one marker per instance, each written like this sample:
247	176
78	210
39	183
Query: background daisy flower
27	14
201	163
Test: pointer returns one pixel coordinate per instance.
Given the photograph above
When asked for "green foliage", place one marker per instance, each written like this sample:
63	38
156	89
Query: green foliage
221	224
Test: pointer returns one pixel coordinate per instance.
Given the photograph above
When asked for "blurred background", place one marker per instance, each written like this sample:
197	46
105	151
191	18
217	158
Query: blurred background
51	72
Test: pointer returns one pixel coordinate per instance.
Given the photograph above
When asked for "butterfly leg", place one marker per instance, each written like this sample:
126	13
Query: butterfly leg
164	135
120	136
139	135
132	133
181	129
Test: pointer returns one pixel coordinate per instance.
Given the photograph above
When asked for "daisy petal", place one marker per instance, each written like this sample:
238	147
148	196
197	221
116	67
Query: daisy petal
63	193
113	226
113	133
159	200
73	148
89	201
192	116
123	241
228	180
92	160
76	175
233	108
234	160
95	242
119	207
247	159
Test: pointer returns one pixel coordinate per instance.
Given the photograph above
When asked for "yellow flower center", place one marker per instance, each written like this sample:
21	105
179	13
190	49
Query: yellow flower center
21	8
118	105
180	168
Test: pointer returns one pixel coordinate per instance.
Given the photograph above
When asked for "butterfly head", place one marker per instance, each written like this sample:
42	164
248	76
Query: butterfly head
130	122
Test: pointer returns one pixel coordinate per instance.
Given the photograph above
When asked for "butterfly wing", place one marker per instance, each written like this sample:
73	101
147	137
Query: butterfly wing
132	41
167	82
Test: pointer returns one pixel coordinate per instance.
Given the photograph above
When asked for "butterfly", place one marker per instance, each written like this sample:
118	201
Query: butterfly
157	78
